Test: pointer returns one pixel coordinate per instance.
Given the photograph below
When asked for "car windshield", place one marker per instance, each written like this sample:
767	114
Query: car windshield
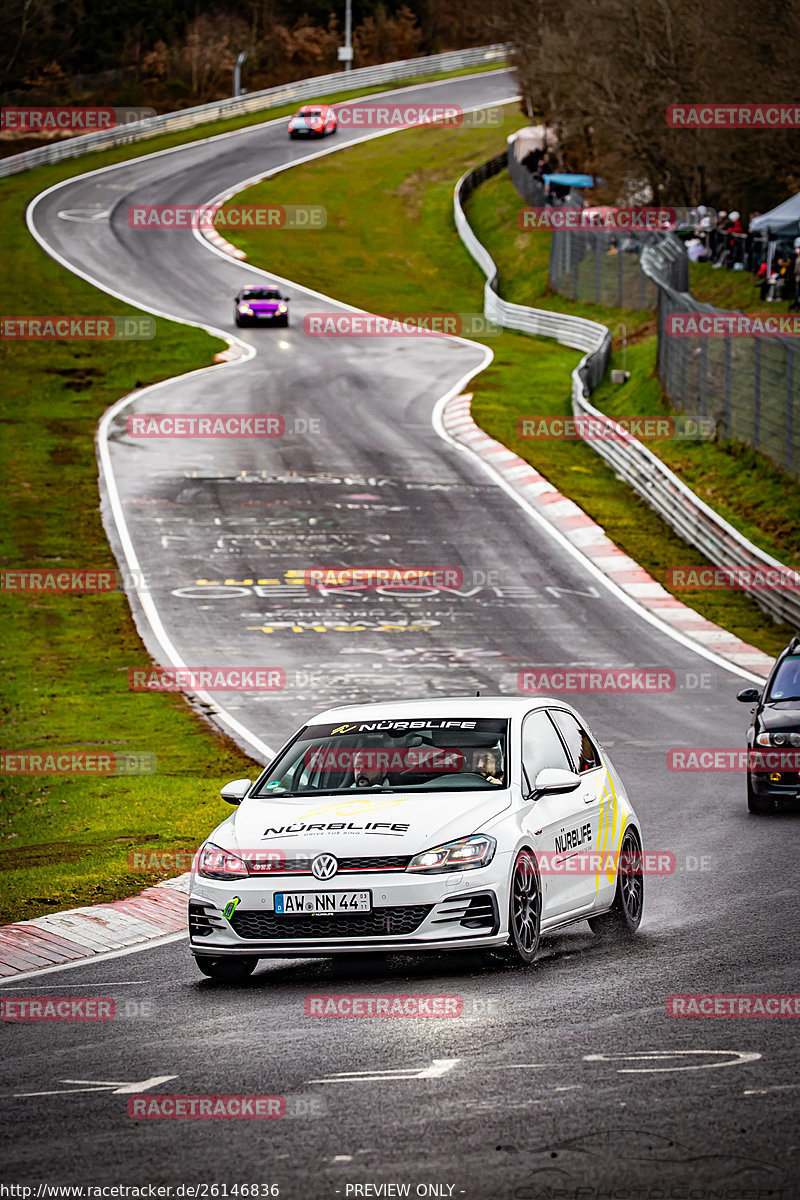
310	112
786	684
423	754
261	294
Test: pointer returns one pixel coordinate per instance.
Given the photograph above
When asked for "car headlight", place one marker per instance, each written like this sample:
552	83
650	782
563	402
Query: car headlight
215	863
463	855
778	739
245	308
281	308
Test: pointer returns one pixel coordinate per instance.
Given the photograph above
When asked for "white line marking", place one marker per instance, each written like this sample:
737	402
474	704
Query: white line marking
439	1067
740	1057
170	652
525	1066
780	1087
59	986
115	1089
152	944
587	564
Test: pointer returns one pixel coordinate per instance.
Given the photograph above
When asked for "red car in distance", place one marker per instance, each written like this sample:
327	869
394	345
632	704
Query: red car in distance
313	120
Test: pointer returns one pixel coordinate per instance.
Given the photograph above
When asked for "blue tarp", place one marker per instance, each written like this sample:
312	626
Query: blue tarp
579	181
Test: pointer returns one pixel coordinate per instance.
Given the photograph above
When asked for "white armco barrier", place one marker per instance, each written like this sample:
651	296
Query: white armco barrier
775	587
303	89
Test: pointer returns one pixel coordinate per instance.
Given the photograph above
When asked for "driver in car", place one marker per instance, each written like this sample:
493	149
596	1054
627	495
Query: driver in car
486	765
368	771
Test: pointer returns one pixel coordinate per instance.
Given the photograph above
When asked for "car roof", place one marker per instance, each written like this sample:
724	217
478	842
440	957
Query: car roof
496	707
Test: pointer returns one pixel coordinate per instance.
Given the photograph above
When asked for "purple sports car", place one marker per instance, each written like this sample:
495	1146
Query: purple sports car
257	305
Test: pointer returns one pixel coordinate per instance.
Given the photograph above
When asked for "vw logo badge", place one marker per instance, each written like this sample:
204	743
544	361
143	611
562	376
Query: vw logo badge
324	866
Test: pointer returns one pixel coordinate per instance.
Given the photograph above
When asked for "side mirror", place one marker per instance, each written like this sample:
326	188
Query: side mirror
235	792
286	297
749	696
553	781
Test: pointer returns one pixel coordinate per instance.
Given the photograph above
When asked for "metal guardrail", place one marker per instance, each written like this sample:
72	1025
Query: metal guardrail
570	331
303	89
677	504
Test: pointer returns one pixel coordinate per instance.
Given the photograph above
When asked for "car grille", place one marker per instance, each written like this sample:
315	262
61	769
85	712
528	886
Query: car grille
302	866
471	912
393	920
203	920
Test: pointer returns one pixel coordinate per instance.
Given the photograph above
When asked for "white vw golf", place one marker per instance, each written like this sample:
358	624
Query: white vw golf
419	825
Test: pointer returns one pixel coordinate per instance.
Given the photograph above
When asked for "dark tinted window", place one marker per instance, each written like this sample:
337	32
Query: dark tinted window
581	748
401	754
541	746
786	683
260	294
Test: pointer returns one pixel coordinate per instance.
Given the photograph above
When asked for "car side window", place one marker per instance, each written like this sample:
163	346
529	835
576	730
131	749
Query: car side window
541	746
581	747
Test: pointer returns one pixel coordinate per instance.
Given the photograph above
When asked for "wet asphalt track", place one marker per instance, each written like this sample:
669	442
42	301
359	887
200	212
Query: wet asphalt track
531	1090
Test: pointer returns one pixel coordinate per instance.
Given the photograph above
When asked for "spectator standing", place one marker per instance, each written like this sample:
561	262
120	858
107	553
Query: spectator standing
795	277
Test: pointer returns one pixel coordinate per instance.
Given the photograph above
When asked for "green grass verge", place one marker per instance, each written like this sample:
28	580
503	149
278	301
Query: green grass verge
64	841
745	487
391	246
735	290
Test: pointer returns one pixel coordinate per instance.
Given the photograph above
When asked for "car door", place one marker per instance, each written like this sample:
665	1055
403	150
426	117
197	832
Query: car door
551	821
591	798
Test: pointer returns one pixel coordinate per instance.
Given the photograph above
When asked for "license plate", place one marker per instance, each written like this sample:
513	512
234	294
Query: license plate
322	904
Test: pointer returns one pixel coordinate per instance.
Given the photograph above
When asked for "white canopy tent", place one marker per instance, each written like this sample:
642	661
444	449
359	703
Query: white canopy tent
784	220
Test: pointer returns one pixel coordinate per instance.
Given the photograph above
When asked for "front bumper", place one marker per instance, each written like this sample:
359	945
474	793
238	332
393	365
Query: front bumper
787	787
412	912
